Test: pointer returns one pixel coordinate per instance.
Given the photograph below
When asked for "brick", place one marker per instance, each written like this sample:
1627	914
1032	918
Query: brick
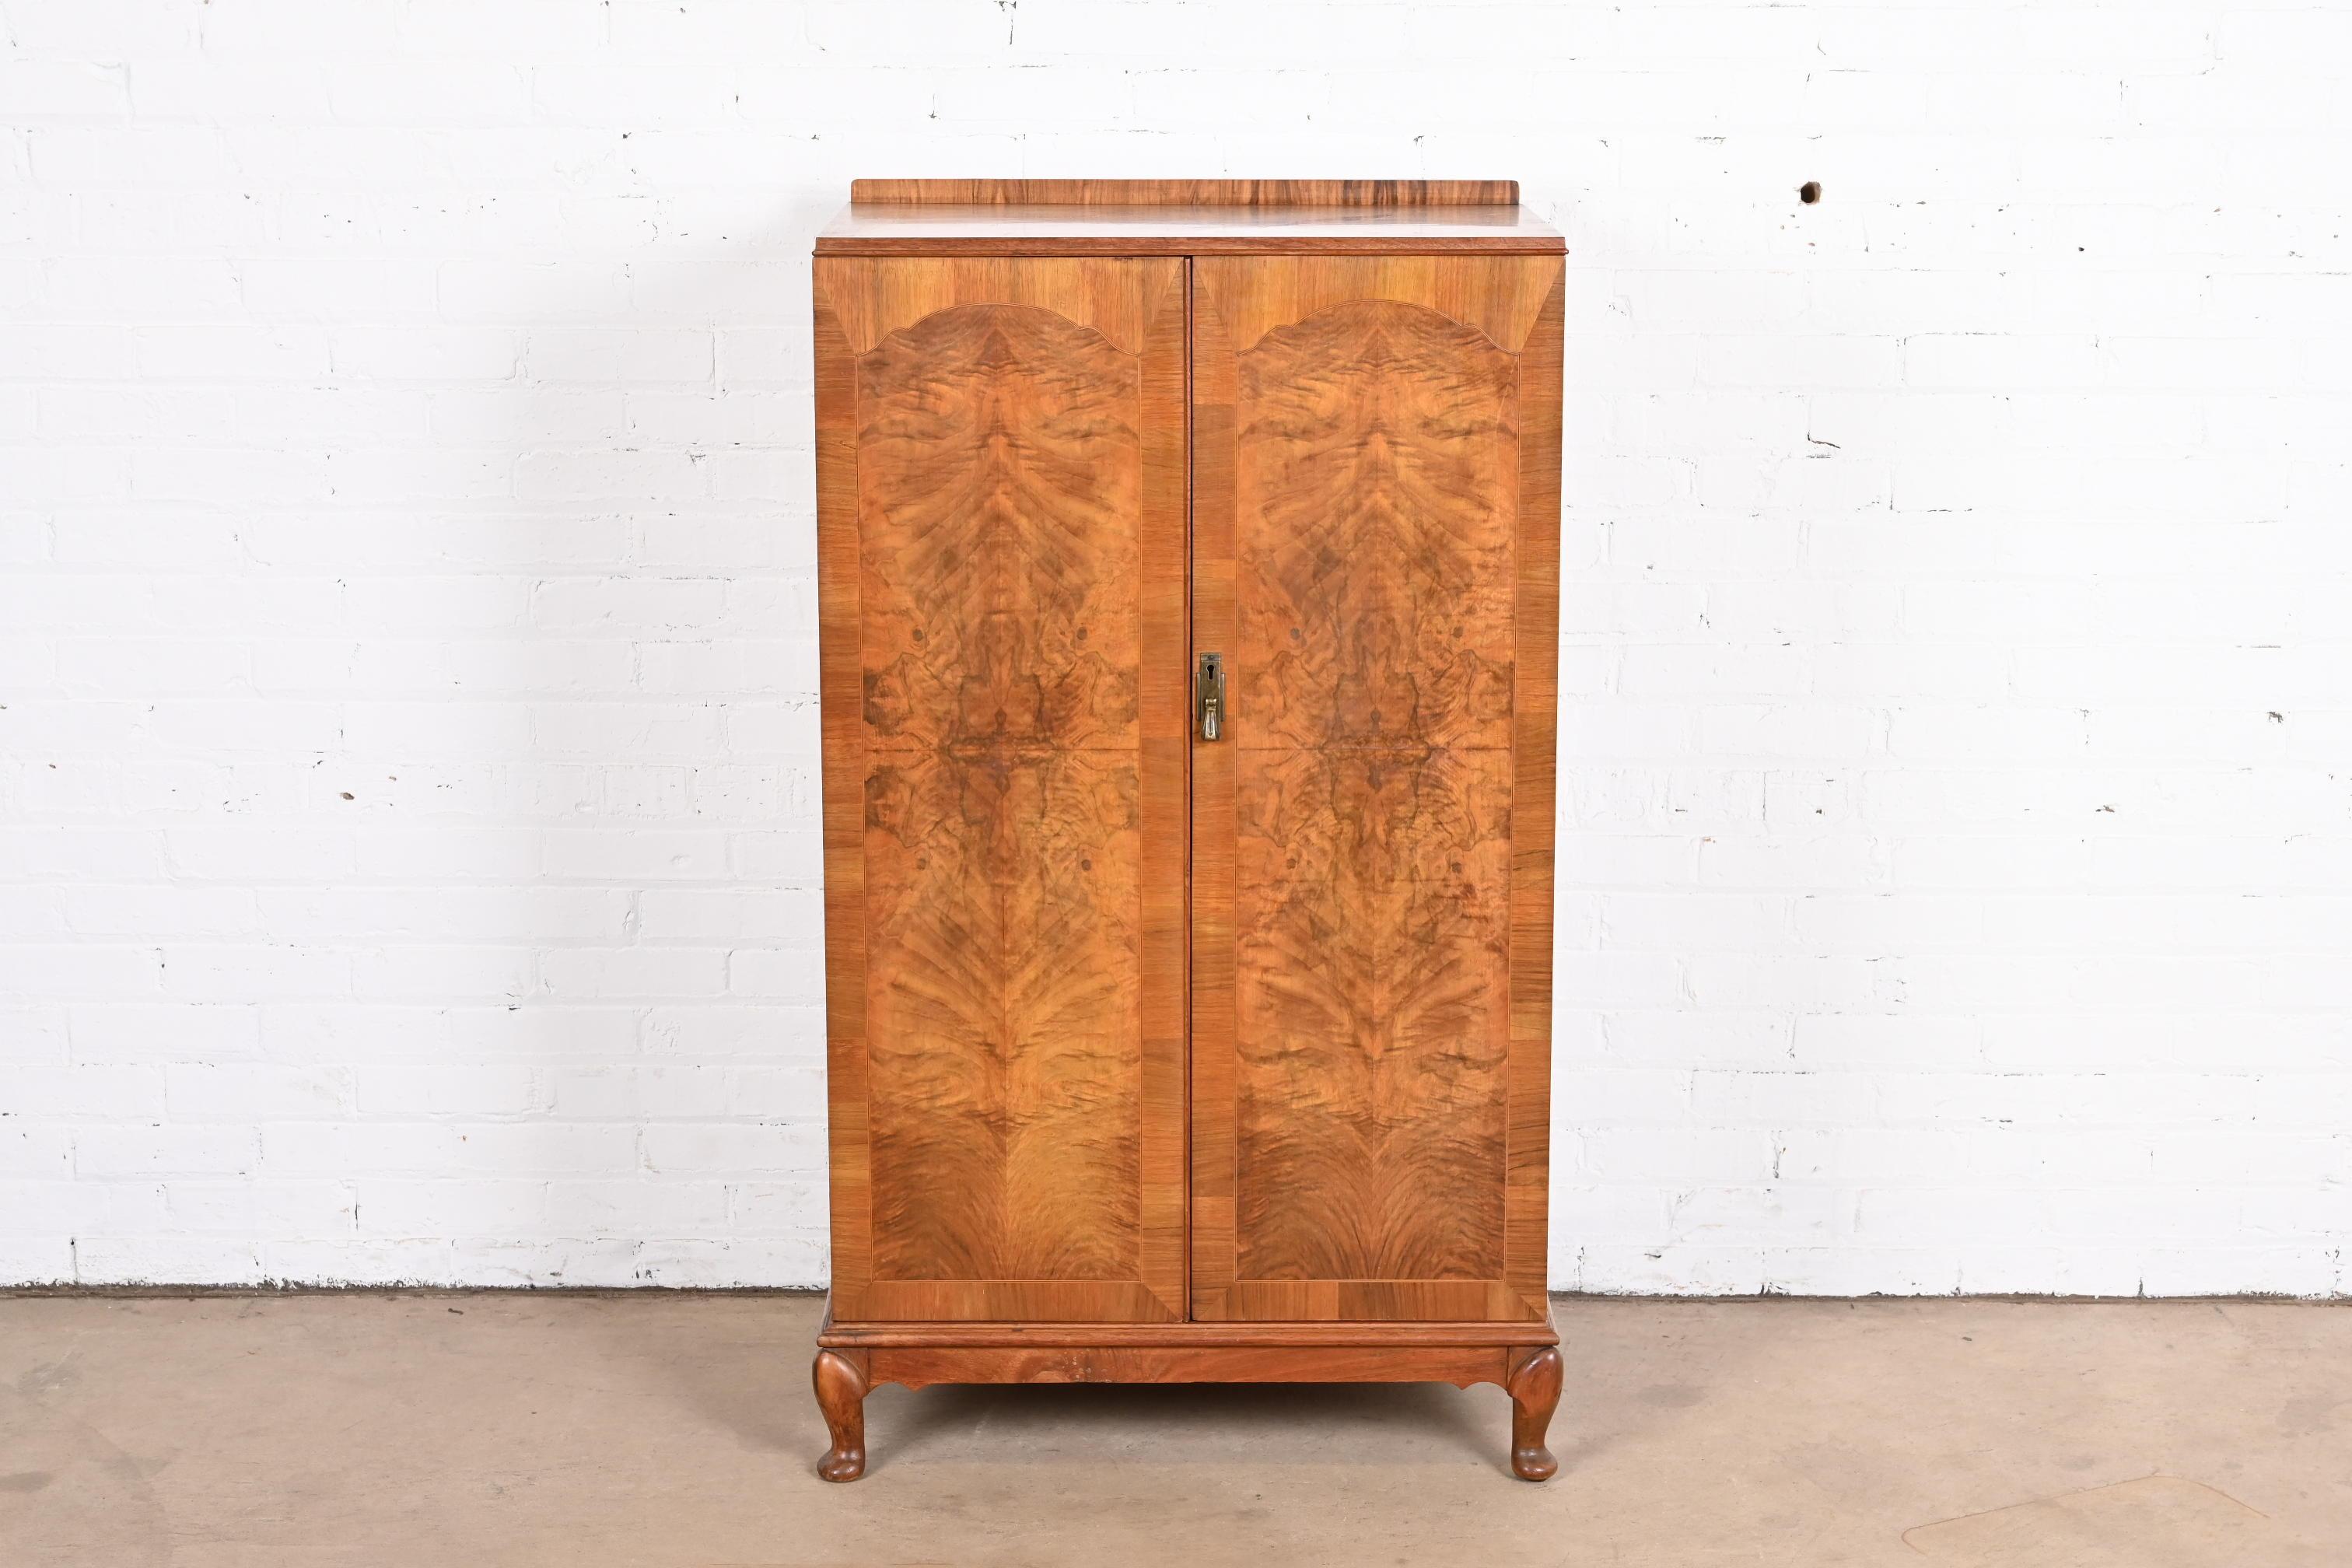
259	1207
650	973
450	1090
140	1149
413	404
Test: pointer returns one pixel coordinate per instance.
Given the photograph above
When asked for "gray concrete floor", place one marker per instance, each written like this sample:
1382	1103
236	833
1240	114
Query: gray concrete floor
667	1430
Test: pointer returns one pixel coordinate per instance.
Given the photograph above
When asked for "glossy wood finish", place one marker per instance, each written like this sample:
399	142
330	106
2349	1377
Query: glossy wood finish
1534	1384
983	229
1461	1365
840	1377
1225	1332
1070	432
1190	193
1376	522
1183	218
1001	457
1519	1357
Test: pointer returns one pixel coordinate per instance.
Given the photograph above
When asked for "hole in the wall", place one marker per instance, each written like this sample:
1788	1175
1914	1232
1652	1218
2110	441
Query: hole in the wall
1810	192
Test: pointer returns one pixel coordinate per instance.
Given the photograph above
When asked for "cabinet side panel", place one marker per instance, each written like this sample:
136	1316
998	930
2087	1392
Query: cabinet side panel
1369	1085
1535	750
1010	784
840	686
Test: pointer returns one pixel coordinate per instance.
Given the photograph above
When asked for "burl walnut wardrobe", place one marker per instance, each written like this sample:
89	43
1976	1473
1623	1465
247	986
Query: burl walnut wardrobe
1189	560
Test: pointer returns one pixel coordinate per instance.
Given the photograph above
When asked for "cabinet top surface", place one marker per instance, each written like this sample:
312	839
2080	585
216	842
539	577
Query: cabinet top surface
1143	218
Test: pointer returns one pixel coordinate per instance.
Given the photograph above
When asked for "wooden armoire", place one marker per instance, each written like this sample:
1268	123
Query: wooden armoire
1189	559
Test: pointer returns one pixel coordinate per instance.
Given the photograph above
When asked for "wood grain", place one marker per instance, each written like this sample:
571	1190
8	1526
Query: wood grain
1264	1335
1215	1041
1534	1383
1519	1357
1359	520
1535	752
1498	295
1008	462
841	682
1191	192
1057	926
1460	1365
1374	463
1369	219
840	1379
1001	481
908	229
1117	299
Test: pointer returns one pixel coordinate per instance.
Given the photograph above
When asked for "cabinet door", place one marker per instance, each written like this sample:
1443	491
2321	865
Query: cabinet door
1001	559
1376	493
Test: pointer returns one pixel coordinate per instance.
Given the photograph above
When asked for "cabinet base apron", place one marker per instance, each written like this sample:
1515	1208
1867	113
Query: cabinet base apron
853	1359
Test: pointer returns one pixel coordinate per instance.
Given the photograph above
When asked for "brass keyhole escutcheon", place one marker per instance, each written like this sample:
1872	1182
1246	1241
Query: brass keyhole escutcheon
1208	695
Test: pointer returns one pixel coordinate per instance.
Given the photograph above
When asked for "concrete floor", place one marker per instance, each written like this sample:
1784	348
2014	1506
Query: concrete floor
661	1429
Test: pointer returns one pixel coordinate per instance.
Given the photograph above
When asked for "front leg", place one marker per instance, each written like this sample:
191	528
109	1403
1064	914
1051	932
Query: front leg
840	1379
1535	1395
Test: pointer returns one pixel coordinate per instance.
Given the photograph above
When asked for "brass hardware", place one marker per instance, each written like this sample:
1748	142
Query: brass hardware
1208	695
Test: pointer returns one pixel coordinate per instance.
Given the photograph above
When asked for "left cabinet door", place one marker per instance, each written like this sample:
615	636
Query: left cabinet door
1002	562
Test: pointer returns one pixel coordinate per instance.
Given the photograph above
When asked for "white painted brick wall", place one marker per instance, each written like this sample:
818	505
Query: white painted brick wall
408	837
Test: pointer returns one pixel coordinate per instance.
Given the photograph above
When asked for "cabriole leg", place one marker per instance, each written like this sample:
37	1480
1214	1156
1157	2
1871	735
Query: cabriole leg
840	1379
1535	1395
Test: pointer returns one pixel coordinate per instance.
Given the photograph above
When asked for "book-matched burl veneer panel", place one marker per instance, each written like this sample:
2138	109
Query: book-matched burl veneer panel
1002	564
1376	456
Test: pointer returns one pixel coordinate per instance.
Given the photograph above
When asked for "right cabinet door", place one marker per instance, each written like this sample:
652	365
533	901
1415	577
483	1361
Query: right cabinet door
1376	555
